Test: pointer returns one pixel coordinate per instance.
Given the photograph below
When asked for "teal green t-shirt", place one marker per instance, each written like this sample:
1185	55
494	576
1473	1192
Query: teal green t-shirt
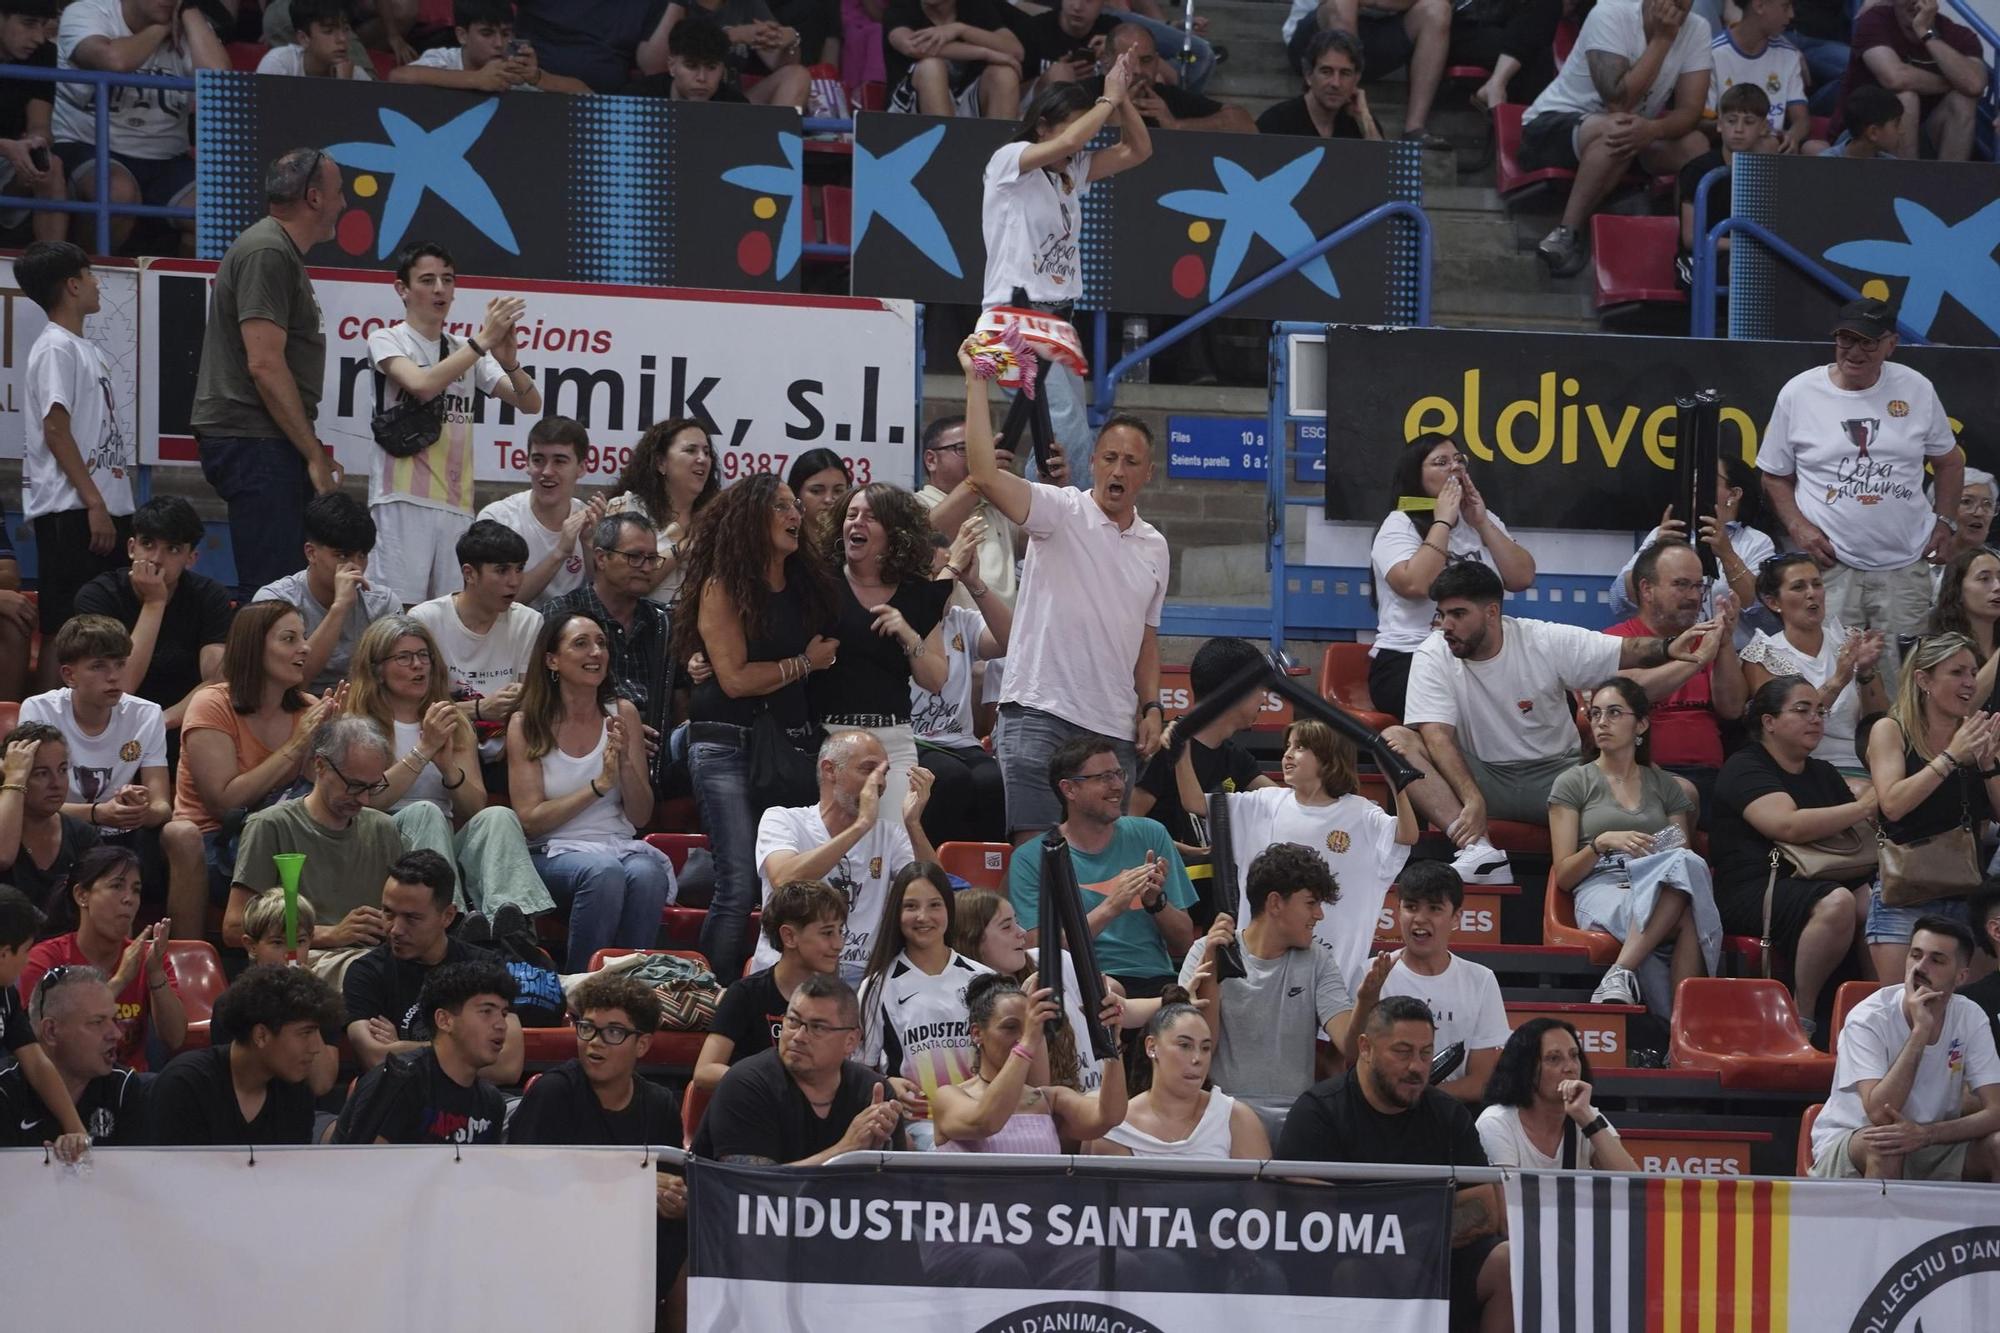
1130	946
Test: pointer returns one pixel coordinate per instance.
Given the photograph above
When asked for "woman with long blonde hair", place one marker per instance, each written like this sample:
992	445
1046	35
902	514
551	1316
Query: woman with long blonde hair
398	681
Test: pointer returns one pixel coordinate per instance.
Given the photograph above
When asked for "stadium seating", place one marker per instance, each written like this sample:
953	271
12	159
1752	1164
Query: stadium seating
1632	261
680	925
1748	1032
1605	1028
1559	925
1510	178
980	864
1343	680
694	1101
1806	1123
197	972
1850	994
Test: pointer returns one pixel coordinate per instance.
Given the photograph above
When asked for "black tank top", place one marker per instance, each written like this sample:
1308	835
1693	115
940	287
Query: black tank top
783	634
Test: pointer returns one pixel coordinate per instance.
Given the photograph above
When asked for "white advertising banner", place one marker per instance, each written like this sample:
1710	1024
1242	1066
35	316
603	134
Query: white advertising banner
774	375
331	1240
114	328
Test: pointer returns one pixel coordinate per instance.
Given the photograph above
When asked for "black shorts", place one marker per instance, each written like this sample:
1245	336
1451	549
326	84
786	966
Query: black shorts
1466	1261
1386	45
163	181
64	561
1549	140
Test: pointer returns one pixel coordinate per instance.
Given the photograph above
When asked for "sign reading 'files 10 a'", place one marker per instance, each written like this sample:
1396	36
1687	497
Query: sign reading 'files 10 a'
1205	214
632	190
1577	430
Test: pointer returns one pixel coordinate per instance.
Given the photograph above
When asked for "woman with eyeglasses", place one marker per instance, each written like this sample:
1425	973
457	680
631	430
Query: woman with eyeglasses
999	1108
670	476
246	738
1774	790
397	680
90	925
1932	760
1539	1114
1608	821
759	607
889	618
1440	518
1840	663
577	769
1975	513
1968	603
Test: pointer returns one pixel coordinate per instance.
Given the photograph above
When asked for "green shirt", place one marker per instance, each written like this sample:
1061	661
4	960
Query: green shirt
344	869
1130	946
262	277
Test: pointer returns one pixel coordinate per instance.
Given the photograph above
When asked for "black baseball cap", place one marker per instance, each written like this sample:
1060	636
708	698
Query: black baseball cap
1868	317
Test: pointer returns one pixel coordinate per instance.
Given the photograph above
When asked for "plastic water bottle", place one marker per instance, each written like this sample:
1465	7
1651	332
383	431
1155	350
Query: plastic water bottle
1136	336
1669	839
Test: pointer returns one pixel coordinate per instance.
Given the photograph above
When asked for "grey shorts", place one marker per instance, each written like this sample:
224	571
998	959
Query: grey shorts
1941	1161
1519	790
1024	740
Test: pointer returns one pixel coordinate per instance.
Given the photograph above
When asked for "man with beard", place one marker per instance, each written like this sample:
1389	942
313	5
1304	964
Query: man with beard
1909	1057
1384	1111
1686	732
75	1017
436	1095
1488	716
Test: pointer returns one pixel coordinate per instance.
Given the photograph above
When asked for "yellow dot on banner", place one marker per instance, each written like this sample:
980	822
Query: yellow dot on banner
765	206
1197	232
366	186
1875	289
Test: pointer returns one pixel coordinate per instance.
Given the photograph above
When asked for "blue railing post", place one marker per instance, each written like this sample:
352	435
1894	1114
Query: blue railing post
1703	285
1792	255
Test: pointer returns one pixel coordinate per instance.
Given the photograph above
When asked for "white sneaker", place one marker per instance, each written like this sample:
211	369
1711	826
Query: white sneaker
1482	863
1620	986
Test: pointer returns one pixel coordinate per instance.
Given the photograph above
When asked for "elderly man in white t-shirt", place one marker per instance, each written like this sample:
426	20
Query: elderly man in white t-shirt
1909	1056
843	841
1489	720
1843	462
1084	656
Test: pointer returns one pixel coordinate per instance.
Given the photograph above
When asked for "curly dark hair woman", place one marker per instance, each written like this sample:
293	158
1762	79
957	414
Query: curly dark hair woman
670	477
891	623
760	607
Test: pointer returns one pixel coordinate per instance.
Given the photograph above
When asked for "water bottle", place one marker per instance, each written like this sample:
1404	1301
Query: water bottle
1669	839
1136	337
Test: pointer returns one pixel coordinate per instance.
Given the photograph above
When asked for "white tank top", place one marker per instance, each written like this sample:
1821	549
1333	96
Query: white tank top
563	774
1210	1138
427	785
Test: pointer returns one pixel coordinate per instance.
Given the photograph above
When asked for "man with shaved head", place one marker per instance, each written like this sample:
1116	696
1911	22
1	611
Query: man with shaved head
843	841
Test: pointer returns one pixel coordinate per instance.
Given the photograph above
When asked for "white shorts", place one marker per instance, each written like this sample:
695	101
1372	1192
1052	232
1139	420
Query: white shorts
415	550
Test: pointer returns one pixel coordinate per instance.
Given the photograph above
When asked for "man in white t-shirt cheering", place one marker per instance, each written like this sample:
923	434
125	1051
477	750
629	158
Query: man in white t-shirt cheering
422	504
843	841
1488	719
1084	656
1843	463
1909	1057
487	636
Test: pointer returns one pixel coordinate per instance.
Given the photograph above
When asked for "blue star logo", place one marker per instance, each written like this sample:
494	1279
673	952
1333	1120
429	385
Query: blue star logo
1939	259
886	187
416	159
786	182
1248	208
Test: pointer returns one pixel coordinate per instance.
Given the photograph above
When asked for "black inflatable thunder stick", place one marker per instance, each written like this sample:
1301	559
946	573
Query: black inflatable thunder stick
1060	902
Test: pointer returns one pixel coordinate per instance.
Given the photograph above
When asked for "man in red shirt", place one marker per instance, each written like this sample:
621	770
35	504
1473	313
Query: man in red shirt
1929	62
1687	724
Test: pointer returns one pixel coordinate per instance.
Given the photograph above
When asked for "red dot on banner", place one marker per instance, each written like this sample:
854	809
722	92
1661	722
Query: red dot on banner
1189	274
753	253
357	231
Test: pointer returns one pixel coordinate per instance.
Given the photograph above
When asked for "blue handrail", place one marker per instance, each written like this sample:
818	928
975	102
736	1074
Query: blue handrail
1106	379
1977	22
1705	288
102	206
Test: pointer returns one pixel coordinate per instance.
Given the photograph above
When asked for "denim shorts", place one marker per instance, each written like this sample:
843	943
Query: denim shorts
1892	925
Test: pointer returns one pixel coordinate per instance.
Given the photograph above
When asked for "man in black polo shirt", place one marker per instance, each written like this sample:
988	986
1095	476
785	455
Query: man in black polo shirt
382	987
1333	105
74	1015
1385	1111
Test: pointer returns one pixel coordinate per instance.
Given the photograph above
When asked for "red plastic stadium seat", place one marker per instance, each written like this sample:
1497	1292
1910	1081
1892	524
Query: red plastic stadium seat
1748	1033
1468	73
682	925
384	62
1567	32
1742	954
838	214
1511	835
197	970
1850	994
1559	926
980	864
677	846
1343	680
1633	260
244	56
1509	177
694	1101
872	97
10	716
1822	128
1806	1123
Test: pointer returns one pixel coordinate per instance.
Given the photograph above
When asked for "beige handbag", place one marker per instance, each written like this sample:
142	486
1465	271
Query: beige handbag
1844	857
1943	865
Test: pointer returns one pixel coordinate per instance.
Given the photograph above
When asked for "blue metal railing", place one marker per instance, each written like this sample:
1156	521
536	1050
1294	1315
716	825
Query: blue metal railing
1990	107
101	206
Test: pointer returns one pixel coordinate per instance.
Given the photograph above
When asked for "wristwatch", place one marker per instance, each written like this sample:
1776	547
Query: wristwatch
1155	907
1950	525
1597	1126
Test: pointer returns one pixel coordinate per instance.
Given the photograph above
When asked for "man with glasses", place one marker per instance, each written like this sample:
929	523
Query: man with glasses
440	1093
348	847
74	1015
950	496
1686	731
807	1101
626	547
1843	462
1136	893
382	986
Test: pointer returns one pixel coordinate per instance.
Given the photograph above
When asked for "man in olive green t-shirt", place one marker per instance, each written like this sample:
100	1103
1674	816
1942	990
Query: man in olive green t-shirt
263	364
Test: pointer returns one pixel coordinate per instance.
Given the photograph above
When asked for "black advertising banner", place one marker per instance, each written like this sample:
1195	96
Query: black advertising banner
1578	430
1201	217
625	190
1919	234
852	1248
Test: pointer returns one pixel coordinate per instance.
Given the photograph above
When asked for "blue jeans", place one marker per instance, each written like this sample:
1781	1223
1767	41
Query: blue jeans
615	893
1175	45
1024	740
721	777
265	485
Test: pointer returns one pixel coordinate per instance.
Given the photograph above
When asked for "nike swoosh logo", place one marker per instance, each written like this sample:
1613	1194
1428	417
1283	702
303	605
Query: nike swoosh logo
1296	990
27	1125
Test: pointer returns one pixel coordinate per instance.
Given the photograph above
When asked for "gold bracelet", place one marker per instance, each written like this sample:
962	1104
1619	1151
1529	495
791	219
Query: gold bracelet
21	787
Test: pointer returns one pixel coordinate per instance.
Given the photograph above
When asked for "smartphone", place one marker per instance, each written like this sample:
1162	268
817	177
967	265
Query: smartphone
1082	55
517	47
39	155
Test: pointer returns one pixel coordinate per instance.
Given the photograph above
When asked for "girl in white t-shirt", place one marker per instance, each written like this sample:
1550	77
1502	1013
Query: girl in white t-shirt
1841	665
1033	221
1541	1117
1440	518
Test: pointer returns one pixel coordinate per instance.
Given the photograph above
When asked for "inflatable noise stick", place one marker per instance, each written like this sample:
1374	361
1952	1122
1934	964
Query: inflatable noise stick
290	865
1062	915
1400	772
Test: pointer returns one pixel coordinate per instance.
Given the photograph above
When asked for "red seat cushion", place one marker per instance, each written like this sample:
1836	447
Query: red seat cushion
1633	259
1509	177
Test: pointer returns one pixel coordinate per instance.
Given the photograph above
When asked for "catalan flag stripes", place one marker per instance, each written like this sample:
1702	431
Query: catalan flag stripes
1649	1254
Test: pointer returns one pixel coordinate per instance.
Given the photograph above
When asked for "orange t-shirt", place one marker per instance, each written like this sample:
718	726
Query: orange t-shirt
210	710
